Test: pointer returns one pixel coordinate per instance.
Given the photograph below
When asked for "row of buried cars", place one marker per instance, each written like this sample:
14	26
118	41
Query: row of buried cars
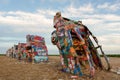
75	42
34	50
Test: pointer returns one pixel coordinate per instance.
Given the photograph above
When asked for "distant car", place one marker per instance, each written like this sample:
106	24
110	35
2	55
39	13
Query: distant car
41	55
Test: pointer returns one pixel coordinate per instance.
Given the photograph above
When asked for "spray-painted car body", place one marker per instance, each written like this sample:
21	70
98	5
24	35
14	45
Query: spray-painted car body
38	47
75	46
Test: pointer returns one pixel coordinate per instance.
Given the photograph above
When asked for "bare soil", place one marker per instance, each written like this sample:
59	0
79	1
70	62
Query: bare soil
12	69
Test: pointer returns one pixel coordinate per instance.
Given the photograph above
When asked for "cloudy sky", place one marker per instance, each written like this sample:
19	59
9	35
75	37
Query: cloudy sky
21	17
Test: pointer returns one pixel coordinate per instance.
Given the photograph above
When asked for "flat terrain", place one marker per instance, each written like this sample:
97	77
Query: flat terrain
12	69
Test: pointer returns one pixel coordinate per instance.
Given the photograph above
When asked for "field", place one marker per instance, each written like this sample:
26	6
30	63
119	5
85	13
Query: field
12	69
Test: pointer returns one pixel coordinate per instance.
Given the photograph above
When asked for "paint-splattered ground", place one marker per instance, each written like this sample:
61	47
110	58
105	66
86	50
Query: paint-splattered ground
12	69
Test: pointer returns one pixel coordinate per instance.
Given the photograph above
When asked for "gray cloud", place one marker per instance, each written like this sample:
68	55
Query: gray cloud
110	6
17	24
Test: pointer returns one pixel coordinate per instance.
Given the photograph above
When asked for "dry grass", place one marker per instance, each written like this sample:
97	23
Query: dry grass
12	69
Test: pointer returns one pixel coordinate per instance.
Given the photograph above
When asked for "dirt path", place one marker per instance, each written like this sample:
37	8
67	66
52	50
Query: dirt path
12	69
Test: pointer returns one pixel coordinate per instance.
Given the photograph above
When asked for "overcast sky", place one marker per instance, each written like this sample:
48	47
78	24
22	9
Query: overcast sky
21	17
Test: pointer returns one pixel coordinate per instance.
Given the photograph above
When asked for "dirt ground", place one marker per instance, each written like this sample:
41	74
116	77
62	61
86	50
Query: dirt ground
12	69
